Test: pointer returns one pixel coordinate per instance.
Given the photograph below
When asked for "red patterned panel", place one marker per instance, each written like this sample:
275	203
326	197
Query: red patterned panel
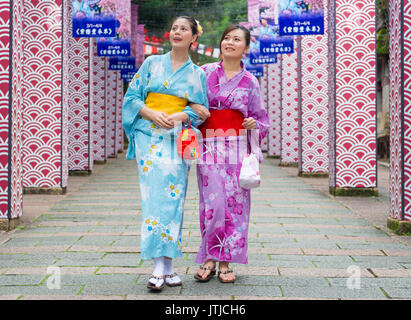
43	92
111	98
289	108
15	131
355	93
65	108
331	92
407	110
314	103
396	109
80	155
11	75
273	108
119	123
4	105
99	106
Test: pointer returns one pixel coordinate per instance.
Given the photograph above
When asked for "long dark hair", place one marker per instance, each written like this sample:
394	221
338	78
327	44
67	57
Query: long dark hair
235	27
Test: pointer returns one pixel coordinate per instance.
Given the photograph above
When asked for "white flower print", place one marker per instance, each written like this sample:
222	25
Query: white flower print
157	69
194	81
145	191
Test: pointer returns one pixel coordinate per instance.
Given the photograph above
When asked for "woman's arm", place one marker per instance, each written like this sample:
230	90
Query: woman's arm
200	110
159	118
177	117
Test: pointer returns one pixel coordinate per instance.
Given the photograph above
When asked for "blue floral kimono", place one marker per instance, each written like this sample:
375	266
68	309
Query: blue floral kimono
162	174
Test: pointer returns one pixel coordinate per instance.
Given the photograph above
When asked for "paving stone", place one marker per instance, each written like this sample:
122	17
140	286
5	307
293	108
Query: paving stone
398	293
404	283
40	290
20	280
332	292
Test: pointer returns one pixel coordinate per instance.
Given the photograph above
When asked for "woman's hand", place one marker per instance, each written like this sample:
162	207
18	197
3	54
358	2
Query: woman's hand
200	110
177	118
249	123
161	119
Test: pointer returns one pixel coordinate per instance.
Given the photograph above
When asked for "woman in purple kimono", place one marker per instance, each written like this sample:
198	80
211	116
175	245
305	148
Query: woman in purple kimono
235	107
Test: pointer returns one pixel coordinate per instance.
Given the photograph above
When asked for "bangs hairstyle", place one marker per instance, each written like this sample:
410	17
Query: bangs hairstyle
232	27
191	21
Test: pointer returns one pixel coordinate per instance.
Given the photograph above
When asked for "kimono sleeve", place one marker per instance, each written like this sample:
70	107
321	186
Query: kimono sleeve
133	102
257	110
200	97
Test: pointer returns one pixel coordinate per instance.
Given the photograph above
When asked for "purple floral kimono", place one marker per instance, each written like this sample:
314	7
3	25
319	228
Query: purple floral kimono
224	205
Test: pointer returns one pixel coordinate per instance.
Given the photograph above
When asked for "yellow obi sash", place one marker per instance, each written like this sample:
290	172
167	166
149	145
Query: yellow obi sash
165	103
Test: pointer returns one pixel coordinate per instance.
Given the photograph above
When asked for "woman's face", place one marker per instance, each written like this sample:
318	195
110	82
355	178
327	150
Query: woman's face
181	35
234	44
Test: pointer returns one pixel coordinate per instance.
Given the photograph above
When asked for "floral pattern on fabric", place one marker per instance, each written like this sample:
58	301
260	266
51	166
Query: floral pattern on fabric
224	205
163	181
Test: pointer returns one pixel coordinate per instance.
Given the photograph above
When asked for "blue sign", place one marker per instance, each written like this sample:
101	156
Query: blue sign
122	63
128	75
256	57
92	19
256	70
113	47
270	40
299	17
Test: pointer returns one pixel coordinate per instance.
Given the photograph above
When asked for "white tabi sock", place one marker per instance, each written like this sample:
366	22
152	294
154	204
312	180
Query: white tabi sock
168	271
158	271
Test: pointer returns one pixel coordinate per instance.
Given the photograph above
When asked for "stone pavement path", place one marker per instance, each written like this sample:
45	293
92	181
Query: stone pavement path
302	245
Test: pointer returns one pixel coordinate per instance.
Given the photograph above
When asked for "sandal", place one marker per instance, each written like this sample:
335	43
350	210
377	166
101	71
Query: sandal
172	276
153	286
209	276
229	270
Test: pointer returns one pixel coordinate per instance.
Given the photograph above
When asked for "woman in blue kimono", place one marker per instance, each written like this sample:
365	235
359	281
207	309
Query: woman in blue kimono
154	106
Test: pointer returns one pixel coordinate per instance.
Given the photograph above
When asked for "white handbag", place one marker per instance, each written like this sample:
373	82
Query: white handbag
250	172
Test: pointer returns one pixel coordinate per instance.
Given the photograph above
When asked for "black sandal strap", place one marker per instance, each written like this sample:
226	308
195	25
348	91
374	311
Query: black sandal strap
225	271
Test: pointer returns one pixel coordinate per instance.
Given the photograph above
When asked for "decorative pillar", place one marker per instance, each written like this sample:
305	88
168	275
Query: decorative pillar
111	101
352	97
45	96
80	104
400	115
313	104
99	107
11	107
274	109
264	97
289	109
119	122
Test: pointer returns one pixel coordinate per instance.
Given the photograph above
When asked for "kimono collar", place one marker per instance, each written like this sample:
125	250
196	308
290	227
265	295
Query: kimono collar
168	57
222	73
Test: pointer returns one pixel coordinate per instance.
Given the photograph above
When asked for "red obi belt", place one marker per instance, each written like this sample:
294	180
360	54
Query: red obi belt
223	123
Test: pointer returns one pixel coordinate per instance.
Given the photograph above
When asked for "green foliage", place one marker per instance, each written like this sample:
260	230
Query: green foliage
214	16
382	17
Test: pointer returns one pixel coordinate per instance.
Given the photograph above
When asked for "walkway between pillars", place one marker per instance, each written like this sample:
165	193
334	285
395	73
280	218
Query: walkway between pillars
301	243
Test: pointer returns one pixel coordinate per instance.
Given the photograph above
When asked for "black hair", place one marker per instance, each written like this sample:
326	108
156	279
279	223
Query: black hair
192	22
235	27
